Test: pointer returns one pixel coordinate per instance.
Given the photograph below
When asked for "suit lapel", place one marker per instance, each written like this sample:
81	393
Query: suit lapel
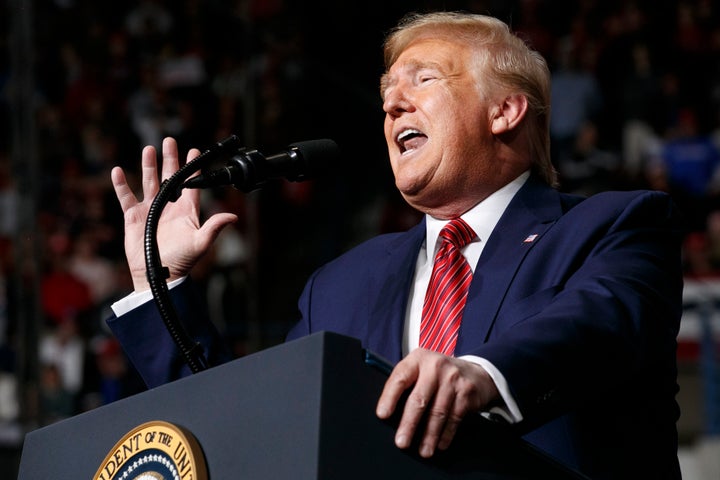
528	216
390	289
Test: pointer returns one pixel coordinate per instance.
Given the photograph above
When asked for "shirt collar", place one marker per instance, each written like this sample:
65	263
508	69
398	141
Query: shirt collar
482	217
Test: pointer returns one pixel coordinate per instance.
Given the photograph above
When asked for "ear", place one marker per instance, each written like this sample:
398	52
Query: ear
509	114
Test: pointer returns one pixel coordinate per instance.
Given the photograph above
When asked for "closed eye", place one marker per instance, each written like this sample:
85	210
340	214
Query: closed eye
425	78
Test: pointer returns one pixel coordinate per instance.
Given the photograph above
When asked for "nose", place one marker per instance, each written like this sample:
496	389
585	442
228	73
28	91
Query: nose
396	100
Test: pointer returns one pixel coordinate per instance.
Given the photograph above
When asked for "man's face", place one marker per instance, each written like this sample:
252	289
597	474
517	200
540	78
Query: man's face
437	127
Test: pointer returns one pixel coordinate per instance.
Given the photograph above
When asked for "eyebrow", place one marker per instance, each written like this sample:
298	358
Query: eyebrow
387	80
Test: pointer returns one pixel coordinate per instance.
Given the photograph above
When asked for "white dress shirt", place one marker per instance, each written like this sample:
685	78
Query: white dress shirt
482	218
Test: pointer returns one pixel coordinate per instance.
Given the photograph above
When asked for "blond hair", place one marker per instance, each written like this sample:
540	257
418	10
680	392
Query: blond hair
508	60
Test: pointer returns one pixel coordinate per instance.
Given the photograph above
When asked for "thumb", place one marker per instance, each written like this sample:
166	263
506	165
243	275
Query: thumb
214	225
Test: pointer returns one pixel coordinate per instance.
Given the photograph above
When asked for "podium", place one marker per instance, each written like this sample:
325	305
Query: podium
301	410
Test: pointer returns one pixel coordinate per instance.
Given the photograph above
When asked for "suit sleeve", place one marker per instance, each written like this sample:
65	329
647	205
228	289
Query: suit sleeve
610	321
150	347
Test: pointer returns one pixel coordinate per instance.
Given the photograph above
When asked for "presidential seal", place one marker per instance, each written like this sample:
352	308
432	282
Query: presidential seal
155	450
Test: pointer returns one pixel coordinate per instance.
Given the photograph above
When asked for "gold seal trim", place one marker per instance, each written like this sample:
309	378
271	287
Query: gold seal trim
175	447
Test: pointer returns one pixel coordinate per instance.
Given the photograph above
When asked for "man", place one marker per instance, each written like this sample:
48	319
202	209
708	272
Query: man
569	324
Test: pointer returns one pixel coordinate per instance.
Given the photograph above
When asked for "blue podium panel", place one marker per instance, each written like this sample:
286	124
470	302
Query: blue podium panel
301	410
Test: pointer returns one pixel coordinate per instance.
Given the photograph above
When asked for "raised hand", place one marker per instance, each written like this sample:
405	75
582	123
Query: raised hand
181	238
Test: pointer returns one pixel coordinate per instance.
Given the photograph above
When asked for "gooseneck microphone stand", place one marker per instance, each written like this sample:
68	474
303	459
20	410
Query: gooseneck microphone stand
170	191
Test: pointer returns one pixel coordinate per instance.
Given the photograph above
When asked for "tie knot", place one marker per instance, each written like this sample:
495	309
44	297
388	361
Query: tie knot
457	232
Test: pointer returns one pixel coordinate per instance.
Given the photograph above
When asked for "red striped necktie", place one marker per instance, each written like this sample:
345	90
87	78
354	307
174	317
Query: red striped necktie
447	291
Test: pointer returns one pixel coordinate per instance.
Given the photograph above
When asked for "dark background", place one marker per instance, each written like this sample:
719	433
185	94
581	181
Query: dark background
84	85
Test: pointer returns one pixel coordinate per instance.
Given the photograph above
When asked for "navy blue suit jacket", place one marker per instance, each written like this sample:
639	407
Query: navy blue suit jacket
576	301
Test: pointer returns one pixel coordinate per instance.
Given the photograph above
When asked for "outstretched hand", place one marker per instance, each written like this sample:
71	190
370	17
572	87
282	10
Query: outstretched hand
444	390
181	239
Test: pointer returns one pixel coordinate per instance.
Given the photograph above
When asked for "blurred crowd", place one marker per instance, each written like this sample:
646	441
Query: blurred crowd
636	104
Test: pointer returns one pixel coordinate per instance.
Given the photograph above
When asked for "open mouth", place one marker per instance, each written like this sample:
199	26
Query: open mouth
411	139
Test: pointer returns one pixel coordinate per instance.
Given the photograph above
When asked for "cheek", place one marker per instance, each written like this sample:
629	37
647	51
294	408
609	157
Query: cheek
387	129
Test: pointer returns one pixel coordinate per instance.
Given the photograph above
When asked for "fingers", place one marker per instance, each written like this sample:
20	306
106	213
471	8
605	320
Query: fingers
192	194
444	390
150	180
170	163
422	403
404	376
401	378
192	154
150	184
442	421
123	192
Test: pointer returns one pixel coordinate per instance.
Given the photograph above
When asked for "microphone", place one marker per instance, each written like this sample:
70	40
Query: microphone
249	169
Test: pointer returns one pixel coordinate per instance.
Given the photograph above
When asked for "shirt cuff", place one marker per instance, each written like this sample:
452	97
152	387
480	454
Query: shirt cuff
509	411
135	299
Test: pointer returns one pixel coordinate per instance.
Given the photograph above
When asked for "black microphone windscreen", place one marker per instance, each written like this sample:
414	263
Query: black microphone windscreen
319	155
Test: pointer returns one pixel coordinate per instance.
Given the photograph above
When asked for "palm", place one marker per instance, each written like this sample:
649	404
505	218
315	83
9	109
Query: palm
181	239
179	220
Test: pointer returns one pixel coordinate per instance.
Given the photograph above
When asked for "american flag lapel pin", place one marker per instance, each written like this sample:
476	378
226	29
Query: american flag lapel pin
530	238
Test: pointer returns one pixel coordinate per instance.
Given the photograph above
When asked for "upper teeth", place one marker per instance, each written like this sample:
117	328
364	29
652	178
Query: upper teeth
407	132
